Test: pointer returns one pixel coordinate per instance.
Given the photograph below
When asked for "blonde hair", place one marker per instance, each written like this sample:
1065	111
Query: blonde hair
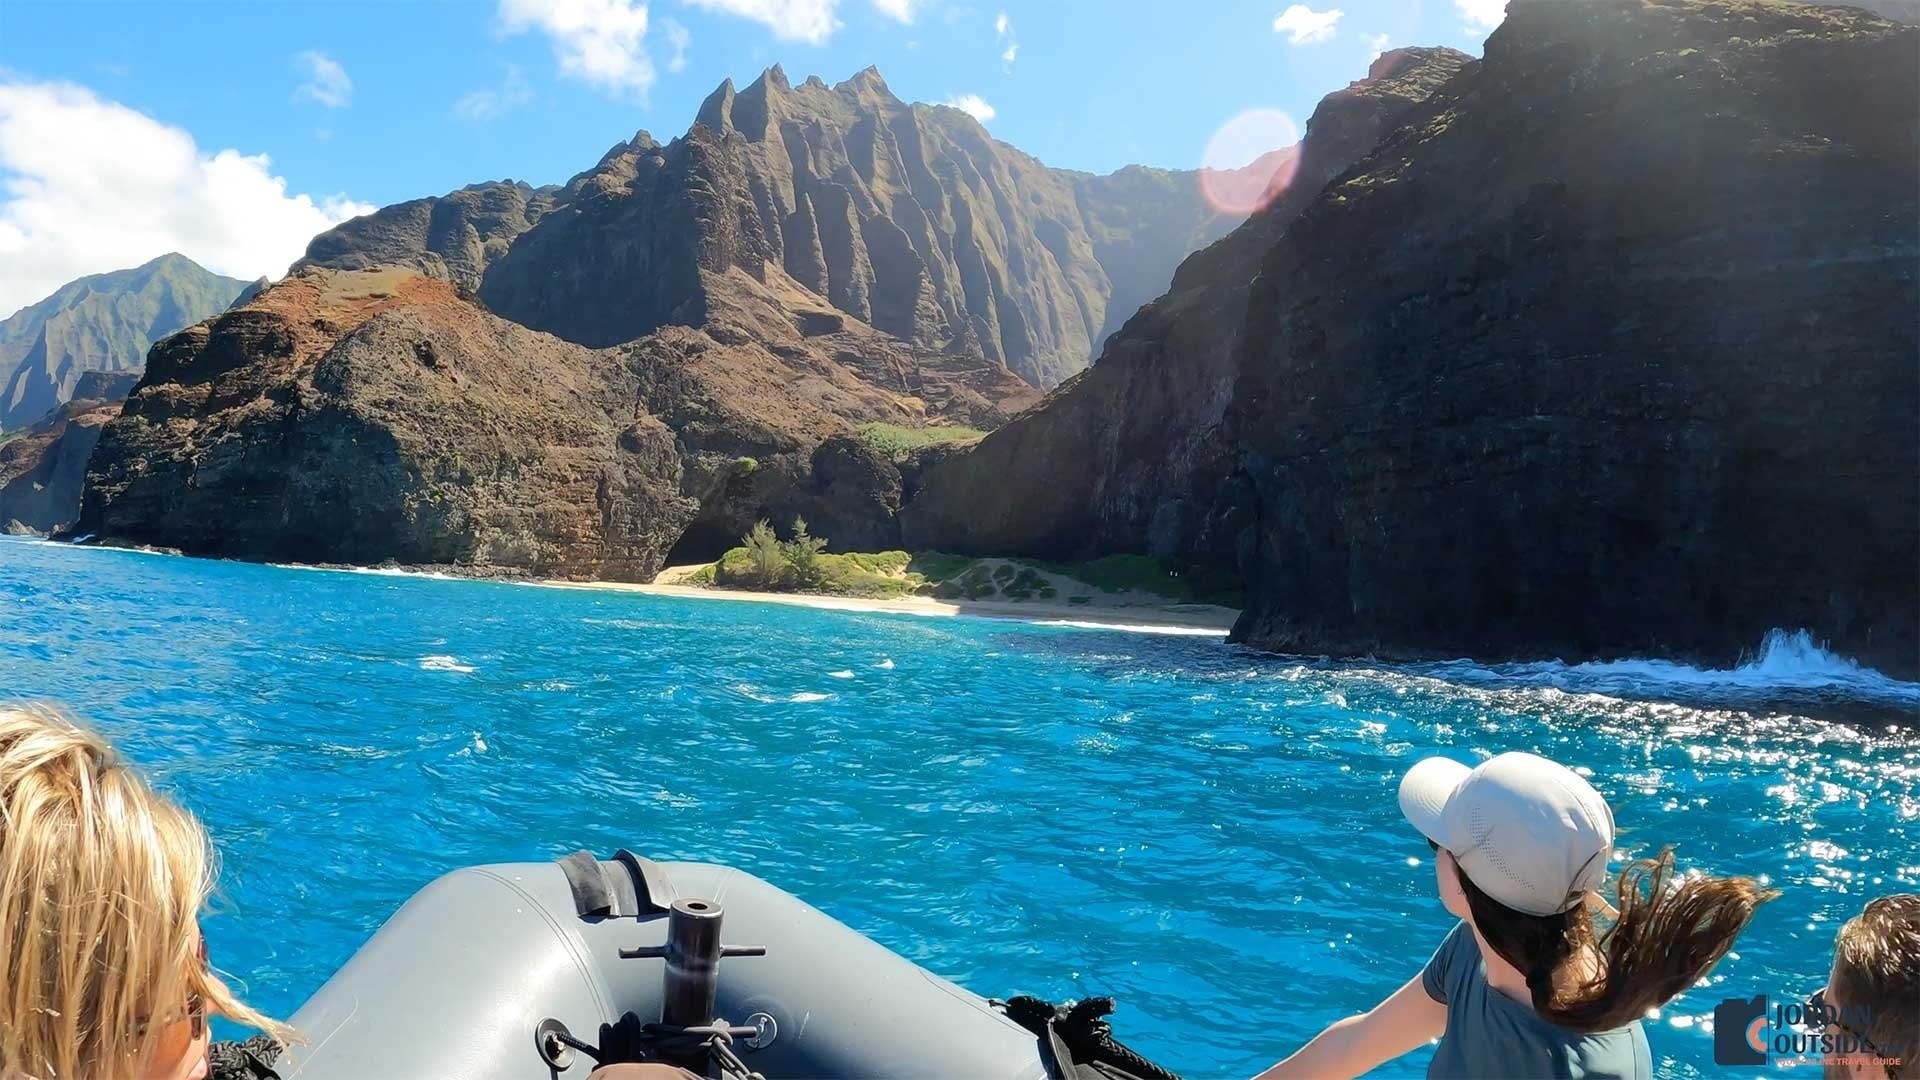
101	885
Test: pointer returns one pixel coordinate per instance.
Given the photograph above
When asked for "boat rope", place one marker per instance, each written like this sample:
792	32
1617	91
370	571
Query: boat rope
667	1042
1078	1031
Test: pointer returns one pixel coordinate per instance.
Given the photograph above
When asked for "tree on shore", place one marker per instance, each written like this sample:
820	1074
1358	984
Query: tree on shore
803	555
765	551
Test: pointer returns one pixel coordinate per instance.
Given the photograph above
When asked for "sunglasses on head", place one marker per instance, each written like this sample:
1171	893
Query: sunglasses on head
196	1004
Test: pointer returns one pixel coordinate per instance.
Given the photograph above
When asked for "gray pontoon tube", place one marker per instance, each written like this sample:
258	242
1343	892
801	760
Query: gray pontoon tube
459	981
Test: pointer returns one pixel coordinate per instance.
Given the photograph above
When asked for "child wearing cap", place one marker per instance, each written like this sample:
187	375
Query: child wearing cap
1525	985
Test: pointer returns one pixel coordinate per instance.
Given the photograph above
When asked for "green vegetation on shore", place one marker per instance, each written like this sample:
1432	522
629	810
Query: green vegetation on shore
764	562
1175	579
899	442
799	564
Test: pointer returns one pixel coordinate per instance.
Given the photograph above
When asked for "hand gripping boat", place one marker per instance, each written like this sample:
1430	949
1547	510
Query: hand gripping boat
543	971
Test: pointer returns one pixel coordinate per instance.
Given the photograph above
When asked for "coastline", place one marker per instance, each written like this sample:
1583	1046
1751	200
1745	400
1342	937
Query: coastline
1193	619
1789	672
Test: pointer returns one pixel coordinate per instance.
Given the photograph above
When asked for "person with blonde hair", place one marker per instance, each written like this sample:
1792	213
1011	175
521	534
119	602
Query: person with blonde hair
103	968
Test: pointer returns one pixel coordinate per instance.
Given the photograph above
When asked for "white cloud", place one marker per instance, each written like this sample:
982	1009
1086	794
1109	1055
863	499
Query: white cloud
88	185
810	21
677	39
327	83
897	10
1305	26
1009	46
1376	45
599	42
1481	15
973	105
489	102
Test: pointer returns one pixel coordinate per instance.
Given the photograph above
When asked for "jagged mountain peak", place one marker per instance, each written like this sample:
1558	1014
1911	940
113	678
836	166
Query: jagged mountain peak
866	81
101	322
910	220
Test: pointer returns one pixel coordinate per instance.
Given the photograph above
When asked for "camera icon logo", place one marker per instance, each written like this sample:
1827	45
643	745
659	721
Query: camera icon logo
1740	1029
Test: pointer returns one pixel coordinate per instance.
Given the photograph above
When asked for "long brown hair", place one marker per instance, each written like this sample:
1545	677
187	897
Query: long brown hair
1668	934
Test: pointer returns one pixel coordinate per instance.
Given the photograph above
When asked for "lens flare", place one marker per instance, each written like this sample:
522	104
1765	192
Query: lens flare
1249	161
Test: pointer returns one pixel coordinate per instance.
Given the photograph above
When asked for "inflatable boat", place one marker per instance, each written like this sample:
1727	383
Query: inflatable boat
538	971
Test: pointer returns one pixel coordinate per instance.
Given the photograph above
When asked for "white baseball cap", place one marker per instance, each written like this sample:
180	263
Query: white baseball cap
1529	832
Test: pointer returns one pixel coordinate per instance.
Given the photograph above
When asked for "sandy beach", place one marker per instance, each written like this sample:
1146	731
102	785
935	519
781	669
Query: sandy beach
1121	611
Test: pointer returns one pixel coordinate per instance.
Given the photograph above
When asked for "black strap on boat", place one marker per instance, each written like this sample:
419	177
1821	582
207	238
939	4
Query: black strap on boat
654	889
251	1059
628	886
1078	1042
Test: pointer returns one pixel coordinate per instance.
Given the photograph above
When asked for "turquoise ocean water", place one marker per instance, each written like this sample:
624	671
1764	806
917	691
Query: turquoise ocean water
1206	833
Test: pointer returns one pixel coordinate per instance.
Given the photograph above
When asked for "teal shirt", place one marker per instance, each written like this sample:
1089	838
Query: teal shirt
1491	1035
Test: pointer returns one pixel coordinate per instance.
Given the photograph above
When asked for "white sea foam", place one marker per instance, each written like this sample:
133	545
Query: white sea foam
479	743
1788	661
839	674
372	571
806	696
446	663
885	664
1135	628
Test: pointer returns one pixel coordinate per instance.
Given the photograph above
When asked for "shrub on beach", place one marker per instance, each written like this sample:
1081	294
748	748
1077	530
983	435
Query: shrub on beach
766	559
764	562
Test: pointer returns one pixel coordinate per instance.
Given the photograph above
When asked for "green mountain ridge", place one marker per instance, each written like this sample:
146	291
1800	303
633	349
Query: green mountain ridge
101	322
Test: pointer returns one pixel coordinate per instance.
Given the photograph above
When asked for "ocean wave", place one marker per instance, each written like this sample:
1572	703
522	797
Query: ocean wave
808	696
840	674
446	663
1134	628
1788	663
373	571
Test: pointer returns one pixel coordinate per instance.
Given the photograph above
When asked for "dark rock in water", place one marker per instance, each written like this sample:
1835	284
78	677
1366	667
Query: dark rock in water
1609	349
909	218
1130	455
103	322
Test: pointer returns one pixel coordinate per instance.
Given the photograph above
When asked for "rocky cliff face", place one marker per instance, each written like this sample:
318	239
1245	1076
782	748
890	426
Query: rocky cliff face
43	469
378	415
1549	414
909	218
1609	349
103	322
698	329
362	416
1134	454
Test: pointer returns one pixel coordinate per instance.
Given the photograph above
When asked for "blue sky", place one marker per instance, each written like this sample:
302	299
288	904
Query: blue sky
297	113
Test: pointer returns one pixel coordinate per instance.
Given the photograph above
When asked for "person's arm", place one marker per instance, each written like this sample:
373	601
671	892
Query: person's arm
1352	1046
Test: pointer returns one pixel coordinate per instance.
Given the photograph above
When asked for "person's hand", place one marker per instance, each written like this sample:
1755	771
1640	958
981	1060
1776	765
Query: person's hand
652	1070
